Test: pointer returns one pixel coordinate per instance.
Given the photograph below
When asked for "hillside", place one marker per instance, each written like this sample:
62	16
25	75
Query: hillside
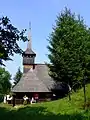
62	109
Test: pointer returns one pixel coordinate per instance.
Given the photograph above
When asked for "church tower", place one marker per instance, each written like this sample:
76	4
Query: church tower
28	55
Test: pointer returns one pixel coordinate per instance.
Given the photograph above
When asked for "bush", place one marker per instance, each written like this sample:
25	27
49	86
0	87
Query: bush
1	98
87	104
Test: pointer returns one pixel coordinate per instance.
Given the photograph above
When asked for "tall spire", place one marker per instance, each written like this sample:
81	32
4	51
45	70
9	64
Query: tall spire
29	46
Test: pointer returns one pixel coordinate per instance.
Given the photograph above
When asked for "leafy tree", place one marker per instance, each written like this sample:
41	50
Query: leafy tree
17	76
9	36
5	84
69	49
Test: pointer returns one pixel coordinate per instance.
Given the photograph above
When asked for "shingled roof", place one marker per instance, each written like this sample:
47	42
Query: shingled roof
36	80
29	51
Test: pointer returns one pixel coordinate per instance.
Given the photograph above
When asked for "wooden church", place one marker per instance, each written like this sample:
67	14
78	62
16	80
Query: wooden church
35	79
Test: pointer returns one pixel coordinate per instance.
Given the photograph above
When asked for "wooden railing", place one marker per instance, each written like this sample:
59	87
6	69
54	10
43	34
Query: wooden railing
20	101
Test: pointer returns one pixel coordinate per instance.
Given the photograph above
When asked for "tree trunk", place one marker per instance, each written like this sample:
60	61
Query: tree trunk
13	100
69	92
69	96
84	90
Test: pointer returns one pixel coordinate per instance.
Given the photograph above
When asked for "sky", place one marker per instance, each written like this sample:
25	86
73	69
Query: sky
42	15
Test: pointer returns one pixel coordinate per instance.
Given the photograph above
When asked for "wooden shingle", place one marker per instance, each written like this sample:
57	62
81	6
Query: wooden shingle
36	80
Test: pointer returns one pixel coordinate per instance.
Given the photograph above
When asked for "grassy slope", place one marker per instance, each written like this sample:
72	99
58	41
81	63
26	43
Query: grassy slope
55	110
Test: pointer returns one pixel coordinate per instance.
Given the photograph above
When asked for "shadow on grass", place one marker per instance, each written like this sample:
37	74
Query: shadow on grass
36	113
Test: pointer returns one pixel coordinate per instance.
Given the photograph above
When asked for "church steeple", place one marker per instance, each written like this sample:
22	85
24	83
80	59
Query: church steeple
29	45
29	55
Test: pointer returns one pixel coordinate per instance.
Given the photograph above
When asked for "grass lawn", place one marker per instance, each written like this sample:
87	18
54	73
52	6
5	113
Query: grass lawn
56	110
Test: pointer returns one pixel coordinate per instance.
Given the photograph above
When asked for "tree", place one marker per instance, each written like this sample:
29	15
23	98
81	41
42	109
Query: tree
17	76
69	49
5	84
9	36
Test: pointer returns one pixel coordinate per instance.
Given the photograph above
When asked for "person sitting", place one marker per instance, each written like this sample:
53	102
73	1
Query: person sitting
25	98
9	98
33	100
36	97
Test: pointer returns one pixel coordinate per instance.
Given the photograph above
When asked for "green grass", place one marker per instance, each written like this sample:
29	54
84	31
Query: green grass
62	109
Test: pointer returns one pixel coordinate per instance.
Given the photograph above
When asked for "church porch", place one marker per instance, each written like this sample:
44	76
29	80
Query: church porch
42	97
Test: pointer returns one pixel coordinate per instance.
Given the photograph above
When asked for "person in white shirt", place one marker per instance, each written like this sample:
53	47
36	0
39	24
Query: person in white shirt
33	100
25	98
5	99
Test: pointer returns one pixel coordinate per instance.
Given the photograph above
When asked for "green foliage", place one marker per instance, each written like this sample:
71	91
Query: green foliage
55	110
86	105
5	84
17	76
9	36
1	97
69	49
